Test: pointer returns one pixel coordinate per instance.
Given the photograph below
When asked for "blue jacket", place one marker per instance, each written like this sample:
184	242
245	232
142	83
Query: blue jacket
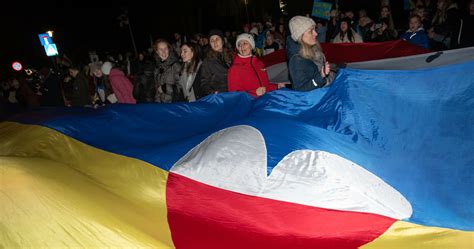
305	75
260	39
419	38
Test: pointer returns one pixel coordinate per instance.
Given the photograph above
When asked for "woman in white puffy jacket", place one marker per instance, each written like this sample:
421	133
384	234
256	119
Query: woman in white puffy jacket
347	34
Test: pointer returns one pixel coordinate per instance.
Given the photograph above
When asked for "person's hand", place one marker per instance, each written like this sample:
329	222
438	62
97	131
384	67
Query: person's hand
431	33
282	84
384	27
372	28
160	90
260	91
325	70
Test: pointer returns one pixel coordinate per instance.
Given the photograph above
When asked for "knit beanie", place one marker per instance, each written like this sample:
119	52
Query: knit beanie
299	25
216	32
246	37
106	67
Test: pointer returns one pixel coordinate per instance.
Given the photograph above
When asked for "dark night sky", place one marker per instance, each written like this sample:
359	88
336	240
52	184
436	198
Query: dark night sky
77	30
91	26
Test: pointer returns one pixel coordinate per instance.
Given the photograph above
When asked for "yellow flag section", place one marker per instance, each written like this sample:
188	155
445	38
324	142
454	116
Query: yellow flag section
407	235
56	192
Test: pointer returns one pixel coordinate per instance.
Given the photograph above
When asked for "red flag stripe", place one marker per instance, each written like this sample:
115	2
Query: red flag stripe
202	216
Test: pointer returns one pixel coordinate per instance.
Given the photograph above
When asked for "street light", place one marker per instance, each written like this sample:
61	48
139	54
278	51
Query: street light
50	33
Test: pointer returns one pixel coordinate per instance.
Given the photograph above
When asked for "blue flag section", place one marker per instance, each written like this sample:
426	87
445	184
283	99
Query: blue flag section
412	129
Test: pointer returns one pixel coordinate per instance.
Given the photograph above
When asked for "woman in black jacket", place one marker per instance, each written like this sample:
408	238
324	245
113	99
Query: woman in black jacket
212	76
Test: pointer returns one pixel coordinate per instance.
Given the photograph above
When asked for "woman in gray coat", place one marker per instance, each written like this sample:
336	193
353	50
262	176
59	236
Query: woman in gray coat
167	72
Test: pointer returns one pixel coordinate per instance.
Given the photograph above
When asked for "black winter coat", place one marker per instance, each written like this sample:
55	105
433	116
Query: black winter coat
212	76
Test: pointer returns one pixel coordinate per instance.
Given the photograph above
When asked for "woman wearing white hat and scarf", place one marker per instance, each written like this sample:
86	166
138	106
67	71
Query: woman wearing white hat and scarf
308	68
248	73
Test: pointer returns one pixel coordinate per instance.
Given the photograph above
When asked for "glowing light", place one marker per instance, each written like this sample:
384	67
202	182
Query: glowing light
17	66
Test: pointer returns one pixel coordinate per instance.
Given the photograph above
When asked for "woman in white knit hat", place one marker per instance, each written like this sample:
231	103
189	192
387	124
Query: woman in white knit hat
308	68
248	73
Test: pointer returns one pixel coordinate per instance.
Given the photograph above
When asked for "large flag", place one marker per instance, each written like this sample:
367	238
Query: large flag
356	52
429	60
380	159
380	55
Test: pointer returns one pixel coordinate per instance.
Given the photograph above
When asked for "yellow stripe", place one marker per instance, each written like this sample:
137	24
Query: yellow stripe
407	235
56	192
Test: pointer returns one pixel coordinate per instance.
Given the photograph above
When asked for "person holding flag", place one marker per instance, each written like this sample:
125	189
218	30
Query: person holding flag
308	67
247	73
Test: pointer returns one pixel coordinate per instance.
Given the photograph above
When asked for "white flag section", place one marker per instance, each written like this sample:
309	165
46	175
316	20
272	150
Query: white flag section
429	60
236	159
278	73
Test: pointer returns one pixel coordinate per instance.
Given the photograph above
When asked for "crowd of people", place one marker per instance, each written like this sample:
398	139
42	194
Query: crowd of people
188	69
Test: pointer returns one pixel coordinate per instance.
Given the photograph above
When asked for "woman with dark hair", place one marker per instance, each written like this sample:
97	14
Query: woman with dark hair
346	33
308	67
213	73
191	65
167	73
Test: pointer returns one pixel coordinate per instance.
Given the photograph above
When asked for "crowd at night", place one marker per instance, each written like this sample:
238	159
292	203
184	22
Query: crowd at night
189	66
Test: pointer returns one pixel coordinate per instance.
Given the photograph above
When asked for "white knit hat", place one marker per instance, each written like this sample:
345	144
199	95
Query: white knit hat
246	37
299	25
106	67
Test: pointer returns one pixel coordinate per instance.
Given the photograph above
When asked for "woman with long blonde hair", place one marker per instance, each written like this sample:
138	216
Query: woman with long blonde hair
308	68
